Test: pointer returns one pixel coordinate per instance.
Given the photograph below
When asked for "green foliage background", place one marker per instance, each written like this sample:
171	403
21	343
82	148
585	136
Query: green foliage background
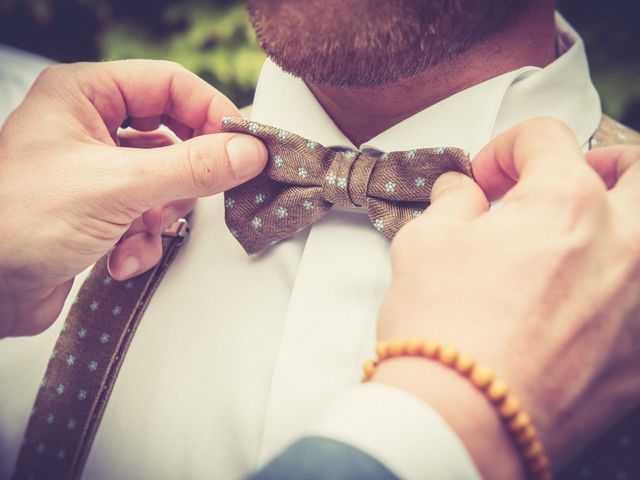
214	39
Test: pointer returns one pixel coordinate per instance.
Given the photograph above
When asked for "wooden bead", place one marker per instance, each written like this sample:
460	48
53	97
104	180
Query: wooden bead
516	421
448	355
464	364
524	438
369	369
414	346
481	376
519	422
430	348
509	407
497	391
533	451
540	464
382	350
545	476
396	348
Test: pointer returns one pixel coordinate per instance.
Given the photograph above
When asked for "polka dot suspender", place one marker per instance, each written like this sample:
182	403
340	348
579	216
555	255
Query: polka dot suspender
84	365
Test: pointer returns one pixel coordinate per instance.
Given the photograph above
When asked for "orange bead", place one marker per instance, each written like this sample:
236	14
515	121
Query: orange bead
539	465
481	376
430	348
369	369
448	355
533	451
525	437
519	422
396	348
382	350
413	346
497	391
545	476
464	364
510	407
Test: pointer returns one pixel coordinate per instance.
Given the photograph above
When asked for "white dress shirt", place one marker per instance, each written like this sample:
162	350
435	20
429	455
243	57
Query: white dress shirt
18	70
238	356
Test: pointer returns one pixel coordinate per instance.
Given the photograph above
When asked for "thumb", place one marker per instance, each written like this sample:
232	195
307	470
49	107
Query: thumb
198	167
456	197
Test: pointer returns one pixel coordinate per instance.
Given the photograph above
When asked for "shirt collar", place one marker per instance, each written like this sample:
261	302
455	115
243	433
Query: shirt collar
468	119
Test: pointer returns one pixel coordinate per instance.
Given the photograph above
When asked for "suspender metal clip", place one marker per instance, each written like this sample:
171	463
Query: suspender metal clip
180	229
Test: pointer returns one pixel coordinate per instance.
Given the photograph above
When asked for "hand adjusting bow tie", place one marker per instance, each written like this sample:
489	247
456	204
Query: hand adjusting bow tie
303	180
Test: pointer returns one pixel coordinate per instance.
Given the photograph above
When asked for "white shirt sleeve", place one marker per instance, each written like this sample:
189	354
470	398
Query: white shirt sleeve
403	433
18	71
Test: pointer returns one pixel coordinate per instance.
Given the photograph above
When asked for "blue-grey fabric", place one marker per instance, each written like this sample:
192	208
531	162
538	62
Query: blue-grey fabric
315	458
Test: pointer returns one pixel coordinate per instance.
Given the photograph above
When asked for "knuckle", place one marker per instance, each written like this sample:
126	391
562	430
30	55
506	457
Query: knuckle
630	159
206	167
583	190
52	73
173	66
546	124
630	236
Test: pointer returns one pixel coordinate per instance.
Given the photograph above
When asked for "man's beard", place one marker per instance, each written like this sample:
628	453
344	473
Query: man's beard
373	42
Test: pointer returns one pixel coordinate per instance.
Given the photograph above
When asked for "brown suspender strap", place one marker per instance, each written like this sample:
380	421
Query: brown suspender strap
84	365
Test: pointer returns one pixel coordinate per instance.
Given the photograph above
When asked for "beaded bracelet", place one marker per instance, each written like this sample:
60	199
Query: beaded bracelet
515	420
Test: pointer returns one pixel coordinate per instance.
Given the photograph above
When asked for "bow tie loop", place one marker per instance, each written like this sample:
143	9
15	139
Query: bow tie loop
409	176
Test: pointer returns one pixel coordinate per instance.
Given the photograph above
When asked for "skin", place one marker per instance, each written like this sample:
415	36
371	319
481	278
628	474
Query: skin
556	314
442	61
364	112
78	193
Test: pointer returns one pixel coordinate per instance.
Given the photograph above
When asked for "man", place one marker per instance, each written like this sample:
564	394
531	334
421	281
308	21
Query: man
272	360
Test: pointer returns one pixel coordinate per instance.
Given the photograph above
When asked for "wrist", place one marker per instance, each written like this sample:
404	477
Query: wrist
463	408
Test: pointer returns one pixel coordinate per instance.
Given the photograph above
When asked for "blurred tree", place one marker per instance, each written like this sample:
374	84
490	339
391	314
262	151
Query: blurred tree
216	42
214	39
211	38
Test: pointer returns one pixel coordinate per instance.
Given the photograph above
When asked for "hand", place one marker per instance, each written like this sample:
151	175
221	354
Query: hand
545	288
69	193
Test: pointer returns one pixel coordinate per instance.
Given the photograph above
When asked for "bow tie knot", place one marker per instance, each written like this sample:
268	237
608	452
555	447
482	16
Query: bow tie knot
347	179
303	180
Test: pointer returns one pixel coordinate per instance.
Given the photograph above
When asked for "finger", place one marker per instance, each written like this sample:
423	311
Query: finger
172	211
541	150
147	124
456	196
135	139
201	166
156	220
141	252
150	88
617	166
137	226
138	249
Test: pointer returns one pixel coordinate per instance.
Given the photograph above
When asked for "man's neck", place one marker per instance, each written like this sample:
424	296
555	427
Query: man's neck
364	112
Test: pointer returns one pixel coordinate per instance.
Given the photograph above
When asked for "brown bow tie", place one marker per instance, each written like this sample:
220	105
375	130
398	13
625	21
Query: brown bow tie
303	180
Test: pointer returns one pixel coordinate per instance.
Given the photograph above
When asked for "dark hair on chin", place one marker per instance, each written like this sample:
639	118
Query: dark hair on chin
373	42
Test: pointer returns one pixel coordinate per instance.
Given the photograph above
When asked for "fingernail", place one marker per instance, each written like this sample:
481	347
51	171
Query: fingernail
130	265
444	182
246	155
